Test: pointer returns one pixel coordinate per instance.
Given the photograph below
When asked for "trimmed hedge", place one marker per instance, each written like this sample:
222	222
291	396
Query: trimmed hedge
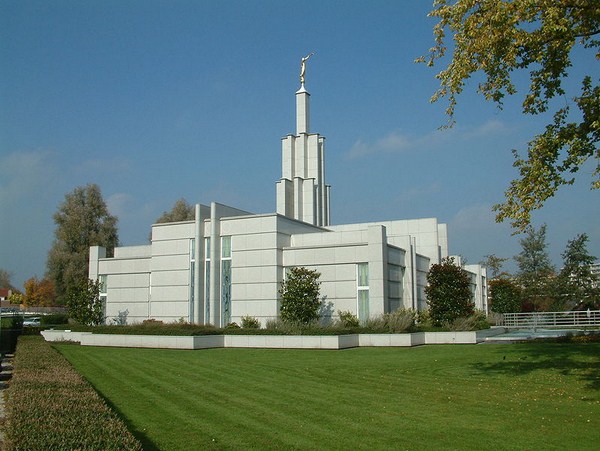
50	406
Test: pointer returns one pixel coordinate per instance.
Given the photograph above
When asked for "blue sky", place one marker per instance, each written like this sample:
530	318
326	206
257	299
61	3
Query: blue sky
158	100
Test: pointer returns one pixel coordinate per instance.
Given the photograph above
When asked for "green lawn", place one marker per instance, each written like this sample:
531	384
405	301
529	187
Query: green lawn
526	396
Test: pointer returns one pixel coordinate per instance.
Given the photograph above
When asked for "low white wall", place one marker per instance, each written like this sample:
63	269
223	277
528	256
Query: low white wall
285	341
154	341
385	340
63	335
270	341
443	338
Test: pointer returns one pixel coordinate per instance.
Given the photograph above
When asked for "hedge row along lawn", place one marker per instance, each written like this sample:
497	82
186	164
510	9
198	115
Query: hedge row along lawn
521	396
51	407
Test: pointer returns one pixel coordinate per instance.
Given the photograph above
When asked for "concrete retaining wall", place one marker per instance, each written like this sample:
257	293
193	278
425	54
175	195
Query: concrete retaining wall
270	341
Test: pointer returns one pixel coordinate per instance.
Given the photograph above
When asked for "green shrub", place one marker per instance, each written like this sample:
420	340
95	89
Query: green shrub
448	292
54	319
590	337
476	321
278	326
375	324
249	322
284	327
347	319
505	296
423	318
32	330
12	322
51	407
150	327
84	303
299	292
401	320
232	326
396	322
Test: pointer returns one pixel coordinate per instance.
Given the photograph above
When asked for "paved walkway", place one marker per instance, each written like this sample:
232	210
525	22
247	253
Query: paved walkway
5	376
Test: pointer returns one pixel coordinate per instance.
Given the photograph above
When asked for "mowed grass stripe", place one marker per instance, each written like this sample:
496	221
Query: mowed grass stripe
462	397
205	395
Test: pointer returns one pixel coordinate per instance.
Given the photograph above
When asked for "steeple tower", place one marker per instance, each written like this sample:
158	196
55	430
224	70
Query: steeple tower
301	192
302	111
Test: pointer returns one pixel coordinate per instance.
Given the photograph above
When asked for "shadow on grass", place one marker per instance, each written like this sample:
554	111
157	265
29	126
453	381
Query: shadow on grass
147	444
579	360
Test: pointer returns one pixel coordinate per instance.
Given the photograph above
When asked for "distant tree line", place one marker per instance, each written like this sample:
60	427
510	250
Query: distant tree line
537	285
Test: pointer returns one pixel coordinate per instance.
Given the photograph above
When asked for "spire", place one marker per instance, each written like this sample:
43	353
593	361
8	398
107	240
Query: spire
302	193
302	111
302	100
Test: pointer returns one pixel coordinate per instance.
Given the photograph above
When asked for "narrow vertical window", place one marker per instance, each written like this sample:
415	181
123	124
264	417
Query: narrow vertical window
226	279
362	290
102	292
207	280
192	282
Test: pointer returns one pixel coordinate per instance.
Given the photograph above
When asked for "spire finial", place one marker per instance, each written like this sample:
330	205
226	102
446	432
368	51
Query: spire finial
303	67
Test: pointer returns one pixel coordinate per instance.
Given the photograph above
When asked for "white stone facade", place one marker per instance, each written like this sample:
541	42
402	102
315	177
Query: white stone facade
229	263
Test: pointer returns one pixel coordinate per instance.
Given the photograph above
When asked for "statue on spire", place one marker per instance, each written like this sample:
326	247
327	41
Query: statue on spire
303	67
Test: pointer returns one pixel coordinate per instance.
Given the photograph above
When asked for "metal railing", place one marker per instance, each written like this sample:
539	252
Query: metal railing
533	320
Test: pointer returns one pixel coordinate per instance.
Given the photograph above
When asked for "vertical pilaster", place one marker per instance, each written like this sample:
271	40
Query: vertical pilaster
198	269
215	266
378	278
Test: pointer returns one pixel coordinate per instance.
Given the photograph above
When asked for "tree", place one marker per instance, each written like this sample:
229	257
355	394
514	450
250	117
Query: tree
499	38
84	303
181	211
39	293
299	292
536	272
505	296
578	286
16	298
494	264
448	291
82	220
6	279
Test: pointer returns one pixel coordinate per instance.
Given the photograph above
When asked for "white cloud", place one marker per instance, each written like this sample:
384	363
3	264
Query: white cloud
473	217
391	143
489	128
396	142
23	174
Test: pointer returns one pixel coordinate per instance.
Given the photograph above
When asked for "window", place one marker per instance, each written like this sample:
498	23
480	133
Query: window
207	280
102	280
362	288
226	279
395	294
192	281
102	292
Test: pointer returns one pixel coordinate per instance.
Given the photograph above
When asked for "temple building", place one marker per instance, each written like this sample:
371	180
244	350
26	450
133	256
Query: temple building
228	263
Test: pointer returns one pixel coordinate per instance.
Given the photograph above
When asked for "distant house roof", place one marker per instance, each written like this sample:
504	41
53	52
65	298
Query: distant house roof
5	293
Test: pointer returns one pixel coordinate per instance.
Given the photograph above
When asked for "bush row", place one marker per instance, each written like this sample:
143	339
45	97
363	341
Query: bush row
50	406
399	321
